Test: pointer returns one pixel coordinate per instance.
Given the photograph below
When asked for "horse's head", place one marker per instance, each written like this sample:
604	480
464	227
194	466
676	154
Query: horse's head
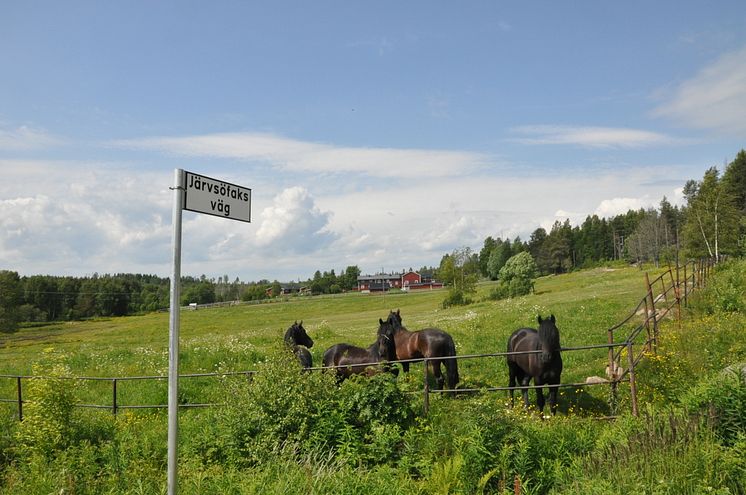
395	319
296	335
549	338
385	343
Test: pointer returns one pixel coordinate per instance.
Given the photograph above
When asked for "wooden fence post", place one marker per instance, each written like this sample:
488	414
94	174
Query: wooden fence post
632	384
648	315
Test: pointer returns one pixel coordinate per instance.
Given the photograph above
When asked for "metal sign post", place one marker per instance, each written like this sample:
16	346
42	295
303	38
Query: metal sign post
173	334
213	197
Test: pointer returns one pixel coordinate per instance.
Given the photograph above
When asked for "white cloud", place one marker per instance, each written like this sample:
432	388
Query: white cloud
714	99
26	138
589	137
92	217
617	206
300	156
294	223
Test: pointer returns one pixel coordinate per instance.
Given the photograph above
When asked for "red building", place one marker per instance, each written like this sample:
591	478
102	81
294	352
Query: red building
410	280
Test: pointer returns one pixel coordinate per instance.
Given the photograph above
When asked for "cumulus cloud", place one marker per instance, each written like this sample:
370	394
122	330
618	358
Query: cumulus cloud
589	137
294	223
715	98
301	156
83	219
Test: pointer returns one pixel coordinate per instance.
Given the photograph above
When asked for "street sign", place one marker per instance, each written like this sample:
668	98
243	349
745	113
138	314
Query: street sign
202	194
216	197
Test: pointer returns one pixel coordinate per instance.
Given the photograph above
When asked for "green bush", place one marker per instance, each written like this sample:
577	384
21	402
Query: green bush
286	411
456	297
725	291
723	400
47	424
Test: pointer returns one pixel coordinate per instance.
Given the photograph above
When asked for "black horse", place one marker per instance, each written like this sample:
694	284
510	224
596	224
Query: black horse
544	367
298	341
426	343
350	360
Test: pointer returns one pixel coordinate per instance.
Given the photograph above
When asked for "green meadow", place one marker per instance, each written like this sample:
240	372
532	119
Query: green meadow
236	338
287	432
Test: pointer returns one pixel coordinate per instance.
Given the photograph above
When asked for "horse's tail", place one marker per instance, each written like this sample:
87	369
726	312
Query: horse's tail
451	365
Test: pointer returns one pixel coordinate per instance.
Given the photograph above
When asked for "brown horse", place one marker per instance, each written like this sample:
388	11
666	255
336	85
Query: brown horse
426	343
351	360
544	367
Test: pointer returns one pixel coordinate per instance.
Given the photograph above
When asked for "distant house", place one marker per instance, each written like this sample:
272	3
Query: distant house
415	281
410	280
293	288
379	282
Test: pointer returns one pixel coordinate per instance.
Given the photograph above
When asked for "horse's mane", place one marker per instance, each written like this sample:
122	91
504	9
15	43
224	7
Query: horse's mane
548	333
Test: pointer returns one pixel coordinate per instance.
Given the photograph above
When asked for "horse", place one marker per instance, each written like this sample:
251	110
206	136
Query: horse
544	367
297	340
351	360
426	343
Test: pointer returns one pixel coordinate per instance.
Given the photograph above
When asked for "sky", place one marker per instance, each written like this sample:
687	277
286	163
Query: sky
378	134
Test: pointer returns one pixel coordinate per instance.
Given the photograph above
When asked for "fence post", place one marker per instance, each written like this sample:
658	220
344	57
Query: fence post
653	314
686	285
675	287
114	397
632	384
426	403
20	399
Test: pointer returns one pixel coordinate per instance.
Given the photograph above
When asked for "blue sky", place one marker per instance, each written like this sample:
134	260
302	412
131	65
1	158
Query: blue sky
377	134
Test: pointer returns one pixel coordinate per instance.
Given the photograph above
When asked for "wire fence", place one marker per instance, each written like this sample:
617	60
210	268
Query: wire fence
666	293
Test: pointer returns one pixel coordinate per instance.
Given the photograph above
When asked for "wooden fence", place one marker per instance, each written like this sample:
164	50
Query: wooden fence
666	293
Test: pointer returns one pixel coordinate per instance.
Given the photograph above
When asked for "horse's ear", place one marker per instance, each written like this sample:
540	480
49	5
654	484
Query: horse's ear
296	322
301	323
380	321
539	319
551	318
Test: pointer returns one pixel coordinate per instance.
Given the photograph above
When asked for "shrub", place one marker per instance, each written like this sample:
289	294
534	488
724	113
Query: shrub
51	423
48	413
723	400
455	297
286	411
725	292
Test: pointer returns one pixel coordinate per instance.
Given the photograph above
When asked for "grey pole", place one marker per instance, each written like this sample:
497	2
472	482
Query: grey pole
173	334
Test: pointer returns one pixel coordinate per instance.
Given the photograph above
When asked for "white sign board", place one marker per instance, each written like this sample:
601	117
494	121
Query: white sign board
216	197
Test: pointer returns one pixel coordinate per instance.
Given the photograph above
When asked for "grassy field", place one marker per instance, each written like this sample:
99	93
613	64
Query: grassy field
237	338
293	433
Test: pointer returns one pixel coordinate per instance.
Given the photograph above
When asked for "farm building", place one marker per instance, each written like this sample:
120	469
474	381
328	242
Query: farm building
409	280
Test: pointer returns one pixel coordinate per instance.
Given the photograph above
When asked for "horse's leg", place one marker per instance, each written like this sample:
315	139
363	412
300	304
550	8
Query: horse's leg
553	398
405	367
511	381
540	395
439	380
451	373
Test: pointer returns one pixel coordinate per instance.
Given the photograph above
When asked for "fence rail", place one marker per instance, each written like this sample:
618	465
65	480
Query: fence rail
652	308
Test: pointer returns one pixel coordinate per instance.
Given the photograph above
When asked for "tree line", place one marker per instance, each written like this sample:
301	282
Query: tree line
711	223
44	298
